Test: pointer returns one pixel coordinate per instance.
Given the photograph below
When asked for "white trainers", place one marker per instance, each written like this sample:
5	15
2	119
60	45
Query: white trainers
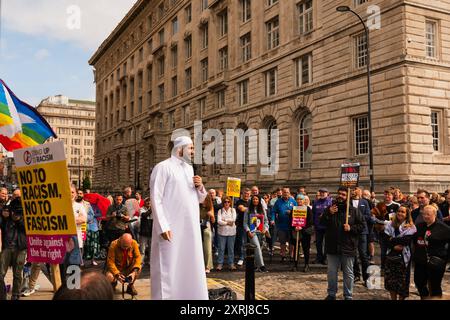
240	262
28	292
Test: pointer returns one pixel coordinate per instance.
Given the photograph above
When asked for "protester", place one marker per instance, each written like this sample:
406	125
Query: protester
255	192
399	197
241	236
226	221
145	231
217	204
269	236
14	247
370	229
93	286
399	233
207	220
319	207
124	262
373	198
431	253
424	199
92	245
341	240
117	219
363	207
305	232
256	225
281	214
177	267
139	199
444	207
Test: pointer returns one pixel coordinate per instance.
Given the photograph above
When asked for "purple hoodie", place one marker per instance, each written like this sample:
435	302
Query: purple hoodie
319	207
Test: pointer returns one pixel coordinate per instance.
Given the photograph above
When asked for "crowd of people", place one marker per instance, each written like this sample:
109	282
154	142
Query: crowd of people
411	230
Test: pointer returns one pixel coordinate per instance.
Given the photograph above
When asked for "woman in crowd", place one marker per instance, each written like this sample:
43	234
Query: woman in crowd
256	225
399	234
430	254
226	229
207	220
145	231
305	232
269	238
92	247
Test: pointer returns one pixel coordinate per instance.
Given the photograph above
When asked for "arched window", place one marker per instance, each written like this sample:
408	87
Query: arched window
305	139
271	126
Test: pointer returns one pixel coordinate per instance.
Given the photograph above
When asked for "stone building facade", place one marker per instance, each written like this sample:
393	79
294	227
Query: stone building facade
298	66
73	121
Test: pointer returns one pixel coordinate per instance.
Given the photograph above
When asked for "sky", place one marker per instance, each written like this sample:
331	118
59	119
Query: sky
45	45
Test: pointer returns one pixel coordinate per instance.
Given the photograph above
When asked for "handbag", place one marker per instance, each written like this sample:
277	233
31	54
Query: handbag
394	258
436	263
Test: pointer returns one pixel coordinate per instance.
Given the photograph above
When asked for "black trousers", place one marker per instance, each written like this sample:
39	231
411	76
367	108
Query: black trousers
363	256
428	281
306	245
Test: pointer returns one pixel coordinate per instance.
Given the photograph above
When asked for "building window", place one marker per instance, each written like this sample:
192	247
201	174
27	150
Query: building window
161	10
223	23
161	37
204	68
186	115
246	10
150	46
271	82
188	78
175	26
140	84
243	92
204	4
188	13
150	22
221	99
360	50
271	2
431	36
149	98
174	54
305	135
305	16
201	107
161	66
223	58
272	126
435	129
204	35
246	47
174	86
273	33
188	47
303	70
361	131
149	76
172	119
161	92
140	105
141	55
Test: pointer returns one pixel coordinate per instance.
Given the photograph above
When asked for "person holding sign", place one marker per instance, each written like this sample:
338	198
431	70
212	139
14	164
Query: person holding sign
177	264
226	221
304	229
256	225
281	214
341	242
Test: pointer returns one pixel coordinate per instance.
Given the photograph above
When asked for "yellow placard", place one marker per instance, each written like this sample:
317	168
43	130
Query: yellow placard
46	198
234	187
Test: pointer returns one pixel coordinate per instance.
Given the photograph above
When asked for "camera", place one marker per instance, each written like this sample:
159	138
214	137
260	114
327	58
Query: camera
128	279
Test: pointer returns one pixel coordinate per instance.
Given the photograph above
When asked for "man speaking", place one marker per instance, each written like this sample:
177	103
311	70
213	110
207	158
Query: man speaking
177	264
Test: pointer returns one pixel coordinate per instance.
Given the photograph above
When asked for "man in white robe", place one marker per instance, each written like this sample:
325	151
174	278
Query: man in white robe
177	264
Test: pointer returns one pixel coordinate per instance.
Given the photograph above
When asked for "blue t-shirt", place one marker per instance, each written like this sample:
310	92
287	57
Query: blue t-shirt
282	212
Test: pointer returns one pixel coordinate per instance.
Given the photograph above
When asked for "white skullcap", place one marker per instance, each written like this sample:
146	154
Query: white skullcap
182	141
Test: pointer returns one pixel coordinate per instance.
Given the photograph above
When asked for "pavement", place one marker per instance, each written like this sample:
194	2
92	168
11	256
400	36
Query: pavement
282	282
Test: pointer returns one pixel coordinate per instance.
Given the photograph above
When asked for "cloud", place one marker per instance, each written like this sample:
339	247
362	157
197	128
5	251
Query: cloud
42	54
85	23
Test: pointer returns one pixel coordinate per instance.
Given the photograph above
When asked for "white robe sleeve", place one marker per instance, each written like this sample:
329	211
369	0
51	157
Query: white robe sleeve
201	194
158	181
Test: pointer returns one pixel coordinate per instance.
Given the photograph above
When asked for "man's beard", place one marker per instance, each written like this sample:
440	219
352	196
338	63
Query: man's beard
79	199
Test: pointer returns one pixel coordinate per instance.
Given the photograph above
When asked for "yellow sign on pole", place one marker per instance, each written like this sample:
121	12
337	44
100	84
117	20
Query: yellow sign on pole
233	187
46	199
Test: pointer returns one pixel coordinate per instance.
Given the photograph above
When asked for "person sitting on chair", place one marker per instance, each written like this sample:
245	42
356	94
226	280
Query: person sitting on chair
124	262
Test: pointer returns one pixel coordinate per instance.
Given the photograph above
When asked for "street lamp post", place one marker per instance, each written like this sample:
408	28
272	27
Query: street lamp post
135	145
369	105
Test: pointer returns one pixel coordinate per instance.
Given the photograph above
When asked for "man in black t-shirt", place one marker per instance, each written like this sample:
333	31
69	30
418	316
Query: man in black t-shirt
241	207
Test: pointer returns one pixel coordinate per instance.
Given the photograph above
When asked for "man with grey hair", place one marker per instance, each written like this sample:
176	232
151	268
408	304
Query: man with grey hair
177	263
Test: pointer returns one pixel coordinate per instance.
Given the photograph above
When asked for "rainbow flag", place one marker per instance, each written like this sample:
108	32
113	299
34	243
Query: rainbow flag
21	125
